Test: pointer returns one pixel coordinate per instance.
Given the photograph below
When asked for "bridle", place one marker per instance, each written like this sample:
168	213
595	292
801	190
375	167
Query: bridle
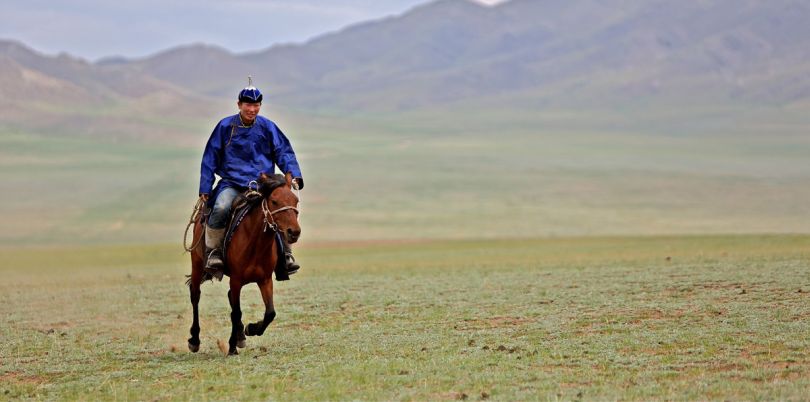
267	213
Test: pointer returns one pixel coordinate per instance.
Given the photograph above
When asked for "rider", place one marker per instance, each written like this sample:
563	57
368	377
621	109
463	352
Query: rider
241	147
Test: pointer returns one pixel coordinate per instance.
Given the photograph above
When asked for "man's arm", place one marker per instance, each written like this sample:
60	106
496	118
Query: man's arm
210	160
285	155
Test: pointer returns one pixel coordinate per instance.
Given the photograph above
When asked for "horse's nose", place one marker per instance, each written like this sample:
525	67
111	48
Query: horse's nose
292	234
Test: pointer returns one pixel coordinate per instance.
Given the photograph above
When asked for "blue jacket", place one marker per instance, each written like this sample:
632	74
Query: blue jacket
238	154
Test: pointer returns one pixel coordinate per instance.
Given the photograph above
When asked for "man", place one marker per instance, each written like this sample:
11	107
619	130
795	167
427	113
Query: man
240	148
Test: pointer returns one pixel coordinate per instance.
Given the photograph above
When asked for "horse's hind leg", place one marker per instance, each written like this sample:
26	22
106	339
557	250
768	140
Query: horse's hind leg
257	328
194	290
237	329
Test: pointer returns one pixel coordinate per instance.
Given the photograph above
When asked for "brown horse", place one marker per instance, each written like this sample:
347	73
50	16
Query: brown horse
250	257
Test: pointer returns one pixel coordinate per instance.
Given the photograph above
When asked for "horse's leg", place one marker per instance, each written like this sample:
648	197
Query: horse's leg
236	316
194	290
257	328
241	341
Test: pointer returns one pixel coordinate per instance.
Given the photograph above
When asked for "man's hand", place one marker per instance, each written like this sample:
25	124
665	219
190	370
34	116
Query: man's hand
298	183
204	198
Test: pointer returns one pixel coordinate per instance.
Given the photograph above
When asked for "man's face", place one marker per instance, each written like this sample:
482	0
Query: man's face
249	110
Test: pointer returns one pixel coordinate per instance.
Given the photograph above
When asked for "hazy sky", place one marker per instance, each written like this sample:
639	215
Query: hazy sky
98	28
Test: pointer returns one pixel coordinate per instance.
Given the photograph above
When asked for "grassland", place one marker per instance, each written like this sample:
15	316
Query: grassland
432	176
638	318
420	277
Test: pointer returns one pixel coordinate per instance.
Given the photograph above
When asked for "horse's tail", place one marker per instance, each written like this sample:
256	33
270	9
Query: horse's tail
205	277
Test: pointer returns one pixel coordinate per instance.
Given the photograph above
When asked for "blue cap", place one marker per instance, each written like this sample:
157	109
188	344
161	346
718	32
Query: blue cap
250	94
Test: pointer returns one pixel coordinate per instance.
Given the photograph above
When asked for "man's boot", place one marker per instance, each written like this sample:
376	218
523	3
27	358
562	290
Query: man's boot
292	266
214	263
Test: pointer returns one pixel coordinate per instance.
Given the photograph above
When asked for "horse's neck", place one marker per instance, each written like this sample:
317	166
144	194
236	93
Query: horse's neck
252	231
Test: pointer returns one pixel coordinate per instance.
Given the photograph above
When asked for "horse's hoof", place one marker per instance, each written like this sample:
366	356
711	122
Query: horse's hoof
193	348
233	352
241	344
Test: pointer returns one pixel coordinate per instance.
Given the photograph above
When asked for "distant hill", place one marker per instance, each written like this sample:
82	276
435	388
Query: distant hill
520	54
60	95
453	120
600	50
101	82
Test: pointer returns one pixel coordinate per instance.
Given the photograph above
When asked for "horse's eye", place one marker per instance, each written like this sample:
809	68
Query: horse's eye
275	202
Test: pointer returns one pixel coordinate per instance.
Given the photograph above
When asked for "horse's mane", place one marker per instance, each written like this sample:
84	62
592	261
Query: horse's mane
268	183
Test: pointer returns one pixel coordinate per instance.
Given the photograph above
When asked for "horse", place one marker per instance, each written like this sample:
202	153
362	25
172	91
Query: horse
251	257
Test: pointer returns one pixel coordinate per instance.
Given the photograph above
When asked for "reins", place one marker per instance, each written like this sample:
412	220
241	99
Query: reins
267	214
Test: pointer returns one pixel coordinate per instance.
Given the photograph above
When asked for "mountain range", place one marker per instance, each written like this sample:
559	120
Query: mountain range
529	118
523	54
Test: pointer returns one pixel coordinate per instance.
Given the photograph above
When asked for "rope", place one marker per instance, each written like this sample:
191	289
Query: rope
298	193
195	215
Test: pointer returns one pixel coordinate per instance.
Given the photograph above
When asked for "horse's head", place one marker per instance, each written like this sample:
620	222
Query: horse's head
280	205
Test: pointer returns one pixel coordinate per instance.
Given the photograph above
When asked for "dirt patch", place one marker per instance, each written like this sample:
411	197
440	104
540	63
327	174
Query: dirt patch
452	395
158	352
776	372
658	314
21	379
721	285
56	327
571	385
501	348
726	367
492	322
779	365
650	319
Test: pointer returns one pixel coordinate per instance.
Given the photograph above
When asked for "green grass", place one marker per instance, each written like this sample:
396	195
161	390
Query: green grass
426	177
640	318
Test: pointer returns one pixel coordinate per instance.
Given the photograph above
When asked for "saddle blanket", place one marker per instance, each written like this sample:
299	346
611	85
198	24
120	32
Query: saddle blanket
241	207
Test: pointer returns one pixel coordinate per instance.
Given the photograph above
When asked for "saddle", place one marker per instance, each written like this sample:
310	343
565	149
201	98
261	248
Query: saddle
241	206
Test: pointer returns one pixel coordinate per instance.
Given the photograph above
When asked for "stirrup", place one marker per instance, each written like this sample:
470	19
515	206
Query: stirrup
292	266
215	271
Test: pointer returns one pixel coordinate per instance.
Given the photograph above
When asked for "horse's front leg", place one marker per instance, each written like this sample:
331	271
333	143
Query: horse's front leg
257	328
194	291
236	316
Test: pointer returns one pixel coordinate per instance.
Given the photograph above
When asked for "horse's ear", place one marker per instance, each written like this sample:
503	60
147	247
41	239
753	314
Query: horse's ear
288	178
263	176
